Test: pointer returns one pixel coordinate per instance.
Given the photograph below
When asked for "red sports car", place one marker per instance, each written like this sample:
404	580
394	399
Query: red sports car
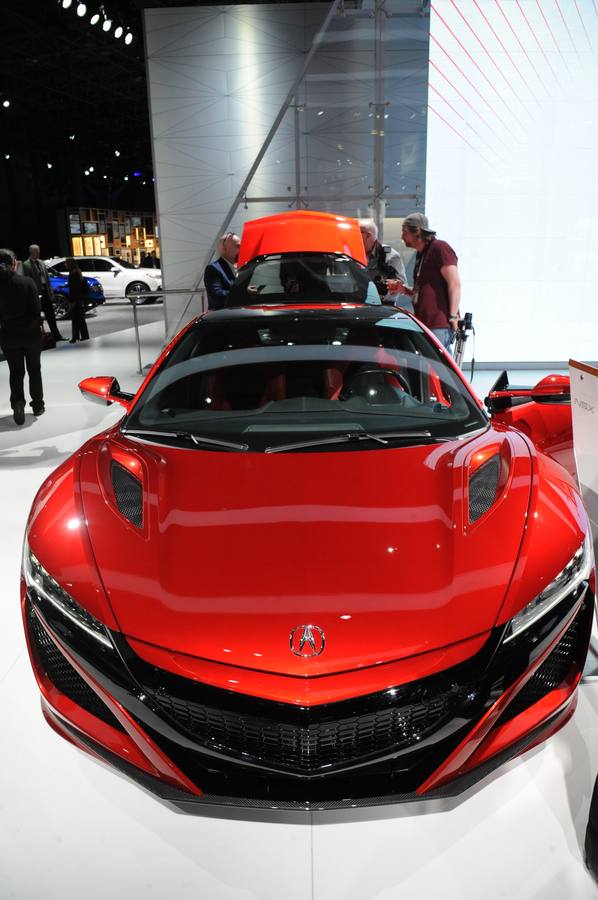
307	569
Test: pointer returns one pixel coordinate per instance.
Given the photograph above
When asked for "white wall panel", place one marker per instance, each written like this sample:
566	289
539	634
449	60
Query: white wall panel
217	77
511	183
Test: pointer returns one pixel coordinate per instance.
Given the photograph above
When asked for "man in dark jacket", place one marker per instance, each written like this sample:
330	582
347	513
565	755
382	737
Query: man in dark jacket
385	264
36	269
219	275
20	336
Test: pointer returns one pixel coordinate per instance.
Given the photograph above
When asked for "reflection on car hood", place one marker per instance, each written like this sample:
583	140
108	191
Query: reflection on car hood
373	547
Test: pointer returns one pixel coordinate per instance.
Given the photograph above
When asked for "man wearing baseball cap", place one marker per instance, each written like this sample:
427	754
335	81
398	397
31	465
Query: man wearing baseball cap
436	288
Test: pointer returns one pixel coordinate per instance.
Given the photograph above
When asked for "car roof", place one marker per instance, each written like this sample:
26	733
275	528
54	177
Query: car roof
301	231
349	311
58	259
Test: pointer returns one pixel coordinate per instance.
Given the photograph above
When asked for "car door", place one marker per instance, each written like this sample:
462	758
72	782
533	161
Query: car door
109	275
86	264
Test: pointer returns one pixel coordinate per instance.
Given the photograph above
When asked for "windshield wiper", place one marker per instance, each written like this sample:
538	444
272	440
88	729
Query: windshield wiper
197	439
382	437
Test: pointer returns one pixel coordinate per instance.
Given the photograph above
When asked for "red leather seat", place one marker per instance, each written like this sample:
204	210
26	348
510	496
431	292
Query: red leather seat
333	381
215	393
275	389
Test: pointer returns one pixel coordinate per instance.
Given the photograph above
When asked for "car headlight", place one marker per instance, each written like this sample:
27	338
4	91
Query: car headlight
37	578
95	288
577	570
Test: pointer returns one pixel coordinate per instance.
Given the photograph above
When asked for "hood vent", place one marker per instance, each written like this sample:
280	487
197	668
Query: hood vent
483	487
128	493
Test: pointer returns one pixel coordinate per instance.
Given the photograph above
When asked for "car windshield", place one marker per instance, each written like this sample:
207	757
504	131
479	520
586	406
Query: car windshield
302	278
310	379
122	262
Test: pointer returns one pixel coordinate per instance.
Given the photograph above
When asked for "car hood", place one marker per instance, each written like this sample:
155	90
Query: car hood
238	549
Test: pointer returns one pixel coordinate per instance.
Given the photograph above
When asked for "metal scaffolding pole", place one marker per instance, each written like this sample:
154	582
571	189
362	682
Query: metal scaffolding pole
379	110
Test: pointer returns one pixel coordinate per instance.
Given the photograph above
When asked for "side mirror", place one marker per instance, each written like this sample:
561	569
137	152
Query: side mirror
551	389
106	390
555	387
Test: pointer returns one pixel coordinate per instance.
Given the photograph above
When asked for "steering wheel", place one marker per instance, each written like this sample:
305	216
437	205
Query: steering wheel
347	387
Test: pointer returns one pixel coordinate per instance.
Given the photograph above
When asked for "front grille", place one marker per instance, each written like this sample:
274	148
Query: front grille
569	651
317	742
62	675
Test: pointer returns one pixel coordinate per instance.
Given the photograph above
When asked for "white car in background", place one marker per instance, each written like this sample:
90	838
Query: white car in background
117	276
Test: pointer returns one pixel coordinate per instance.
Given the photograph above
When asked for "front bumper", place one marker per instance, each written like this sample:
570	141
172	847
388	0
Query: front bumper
193	744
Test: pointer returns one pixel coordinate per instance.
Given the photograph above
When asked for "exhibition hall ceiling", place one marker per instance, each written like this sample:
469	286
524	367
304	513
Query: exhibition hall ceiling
77	95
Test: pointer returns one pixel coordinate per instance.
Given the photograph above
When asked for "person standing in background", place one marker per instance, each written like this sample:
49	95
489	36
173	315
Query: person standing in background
78	290
436	288
34	268
20	336
385	264
220	274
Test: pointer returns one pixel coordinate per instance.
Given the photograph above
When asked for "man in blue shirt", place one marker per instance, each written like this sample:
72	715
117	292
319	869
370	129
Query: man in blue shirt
219	275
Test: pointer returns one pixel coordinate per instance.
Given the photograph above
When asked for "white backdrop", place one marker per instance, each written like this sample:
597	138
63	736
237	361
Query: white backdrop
512	170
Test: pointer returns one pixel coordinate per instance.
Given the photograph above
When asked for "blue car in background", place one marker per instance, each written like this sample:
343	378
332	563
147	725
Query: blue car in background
60	286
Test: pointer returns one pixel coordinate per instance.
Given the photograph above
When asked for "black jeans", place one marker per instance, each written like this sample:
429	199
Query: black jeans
49	316
17	358
79	323
591	845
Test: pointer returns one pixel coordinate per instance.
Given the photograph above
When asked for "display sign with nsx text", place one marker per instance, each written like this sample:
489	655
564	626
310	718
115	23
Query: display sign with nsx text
584	408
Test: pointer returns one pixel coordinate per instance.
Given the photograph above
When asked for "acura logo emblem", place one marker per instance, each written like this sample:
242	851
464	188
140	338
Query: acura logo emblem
307	641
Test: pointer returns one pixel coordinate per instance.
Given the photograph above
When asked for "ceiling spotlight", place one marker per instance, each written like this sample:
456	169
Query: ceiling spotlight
128	38
107	24
94	19
87	171
71	137
49	165
104	176
91	168
126	178
118	31
7	156
6	104
81	9
66	3
117	152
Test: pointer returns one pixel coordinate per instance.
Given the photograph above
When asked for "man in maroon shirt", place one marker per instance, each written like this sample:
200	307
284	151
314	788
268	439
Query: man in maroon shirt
436	288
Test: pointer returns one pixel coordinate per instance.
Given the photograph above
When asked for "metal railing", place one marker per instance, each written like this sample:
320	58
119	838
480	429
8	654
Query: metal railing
157	295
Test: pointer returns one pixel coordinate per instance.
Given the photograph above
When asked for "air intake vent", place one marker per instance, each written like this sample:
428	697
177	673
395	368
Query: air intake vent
128	493
62	675
482	488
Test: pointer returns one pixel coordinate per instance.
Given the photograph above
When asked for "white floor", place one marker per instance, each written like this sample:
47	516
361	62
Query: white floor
71	828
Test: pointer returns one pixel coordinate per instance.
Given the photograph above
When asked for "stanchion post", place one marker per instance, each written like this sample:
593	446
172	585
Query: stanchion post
137	339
